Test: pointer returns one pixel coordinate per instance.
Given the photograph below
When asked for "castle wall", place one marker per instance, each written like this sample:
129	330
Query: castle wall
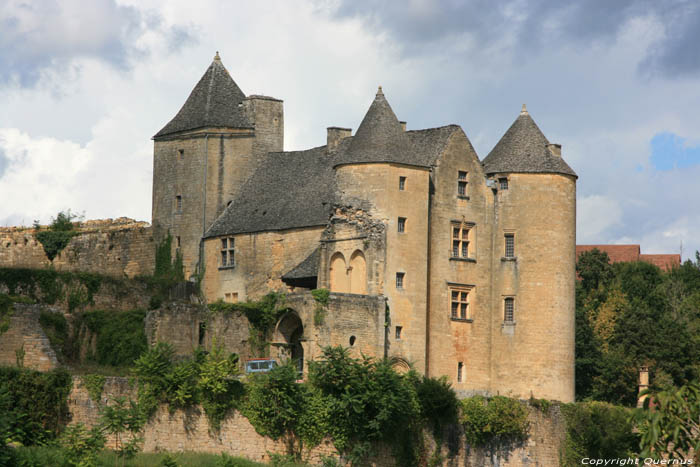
188	430
25	334
406	252
455	340
120	247
535	355
260	261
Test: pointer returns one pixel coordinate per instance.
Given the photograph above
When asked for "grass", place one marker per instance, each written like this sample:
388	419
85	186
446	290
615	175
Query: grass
45	456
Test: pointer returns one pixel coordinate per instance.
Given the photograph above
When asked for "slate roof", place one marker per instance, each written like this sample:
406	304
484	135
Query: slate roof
214	102
307	268
379	138
523	148
288	190
428	144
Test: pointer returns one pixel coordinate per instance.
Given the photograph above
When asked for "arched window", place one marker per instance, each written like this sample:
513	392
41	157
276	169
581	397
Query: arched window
358	277
339	274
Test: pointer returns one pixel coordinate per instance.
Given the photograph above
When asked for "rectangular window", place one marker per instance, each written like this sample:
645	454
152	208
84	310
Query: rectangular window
510	245
460	369
399	279
459	303
178	203
402	183
182	154
179	243
508	309
228	252
460	240
402	224
462	183
398	332
504	183
231	297
202	332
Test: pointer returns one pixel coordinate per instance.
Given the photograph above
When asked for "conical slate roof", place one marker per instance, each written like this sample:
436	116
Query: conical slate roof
523	148
380	138
214	102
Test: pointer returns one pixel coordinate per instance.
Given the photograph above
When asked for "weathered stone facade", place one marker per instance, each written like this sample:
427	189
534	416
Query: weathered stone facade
26	336
474	259
121	248
189	430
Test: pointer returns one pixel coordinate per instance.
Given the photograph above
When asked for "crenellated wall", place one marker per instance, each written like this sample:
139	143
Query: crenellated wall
119	247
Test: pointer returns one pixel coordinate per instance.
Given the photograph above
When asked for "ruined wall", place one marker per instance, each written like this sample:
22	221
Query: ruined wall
121	248
25	333
189	431
179	324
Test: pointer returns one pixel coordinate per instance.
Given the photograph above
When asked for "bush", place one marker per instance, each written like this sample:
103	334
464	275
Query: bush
61	231
494	421
121	336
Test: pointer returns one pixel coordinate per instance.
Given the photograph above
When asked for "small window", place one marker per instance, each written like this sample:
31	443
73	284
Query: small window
231	297
509	309
182	154
402	183
402	224
352	341
228	252
509	246
459	303
178	203
462	183
460	240
178	242
460	369
399	279
202	332
398	332
504	183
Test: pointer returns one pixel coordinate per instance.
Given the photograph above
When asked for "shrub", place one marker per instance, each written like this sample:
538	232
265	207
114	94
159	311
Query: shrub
61	231
494	421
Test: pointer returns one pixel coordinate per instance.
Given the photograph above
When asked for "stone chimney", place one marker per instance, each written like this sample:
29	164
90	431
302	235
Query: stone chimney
403	125
643	385
555	149
334	135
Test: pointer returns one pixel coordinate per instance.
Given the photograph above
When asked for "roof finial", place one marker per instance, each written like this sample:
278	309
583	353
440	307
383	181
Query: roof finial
216	57
379	91
523	111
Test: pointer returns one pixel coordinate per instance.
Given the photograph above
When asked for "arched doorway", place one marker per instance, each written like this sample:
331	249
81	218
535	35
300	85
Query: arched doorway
339	274
358	277
289	332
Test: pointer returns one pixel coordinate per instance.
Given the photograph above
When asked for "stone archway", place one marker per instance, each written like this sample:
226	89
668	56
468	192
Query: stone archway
288	335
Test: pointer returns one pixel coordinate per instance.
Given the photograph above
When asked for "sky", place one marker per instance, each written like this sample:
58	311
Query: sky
85	85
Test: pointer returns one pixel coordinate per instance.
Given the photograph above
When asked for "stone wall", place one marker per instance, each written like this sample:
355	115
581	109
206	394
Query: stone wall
189	431
120	247
25	333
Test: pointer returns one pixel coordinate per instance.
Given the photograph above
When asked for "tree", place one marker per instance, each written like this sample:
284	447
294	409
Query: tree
594	269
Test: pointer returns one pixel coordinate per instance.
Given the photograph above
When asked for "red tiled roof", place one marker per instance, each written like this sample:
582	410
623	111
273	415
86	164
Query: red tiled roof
619	253
665	262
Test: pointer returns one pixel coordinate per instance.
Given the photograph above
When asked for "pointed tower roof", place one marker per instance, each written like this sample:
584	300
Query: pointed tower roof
214	102
524	148
380	138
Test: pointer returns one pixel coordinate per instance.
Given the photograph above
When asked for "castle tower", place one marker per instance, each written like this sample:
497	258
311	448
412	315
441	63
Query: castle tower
205	154
533	269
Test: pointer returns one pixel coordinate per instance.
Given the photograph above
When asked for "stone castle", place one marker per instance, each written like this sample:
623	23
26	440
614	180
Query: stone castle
456	266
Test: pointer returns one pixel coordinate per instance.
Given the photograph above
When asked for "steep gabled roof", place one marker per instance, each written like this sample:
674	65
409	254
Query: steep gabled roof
427	145
288	190
379	138
216	101
523	148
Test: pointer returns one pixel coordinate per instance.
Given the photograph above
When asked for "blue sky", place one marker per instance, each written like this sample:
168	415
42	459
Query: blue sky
84	85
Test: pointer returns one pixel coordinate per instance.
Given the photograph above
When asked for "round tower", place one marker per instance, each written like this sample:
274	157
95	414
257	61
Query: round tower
534	262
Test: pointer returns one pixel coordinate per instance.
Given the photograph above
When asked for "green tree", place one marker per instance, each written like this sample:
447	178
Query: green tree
125	423
594	269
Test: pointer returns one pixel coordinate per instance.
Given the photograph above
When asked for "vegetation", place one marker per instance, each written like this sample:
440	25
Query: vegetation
627	314
120	336
59	234
321	297
494	421
598	430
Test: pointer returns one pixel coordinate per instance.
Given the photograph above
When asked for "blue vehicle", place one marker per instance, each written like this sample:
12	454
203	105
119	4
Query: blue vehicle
260	365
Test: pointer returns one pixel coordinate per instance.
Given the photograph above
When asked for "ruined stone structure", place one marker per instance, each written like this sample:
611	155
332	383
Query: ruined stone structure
454	265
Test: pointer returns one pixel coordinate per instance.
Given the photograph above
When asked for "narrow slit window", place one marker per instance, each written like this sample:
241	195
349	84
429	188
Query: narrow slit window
400	280
509	309
398	332
181	152
178	203
460	370
402	224
402	183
